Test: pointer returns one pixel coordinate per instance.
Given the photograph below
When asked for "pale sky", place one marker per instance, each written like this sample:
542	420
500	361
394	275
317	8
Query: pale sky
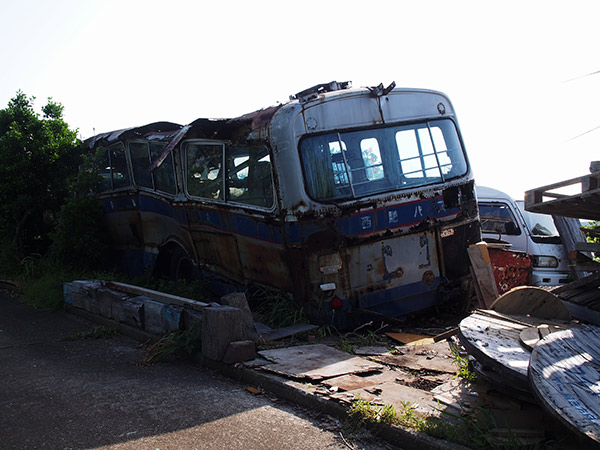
505	65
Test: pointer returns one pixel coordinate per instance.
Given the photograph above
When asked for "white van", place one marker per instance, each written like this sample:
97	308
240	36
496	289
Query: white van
504	220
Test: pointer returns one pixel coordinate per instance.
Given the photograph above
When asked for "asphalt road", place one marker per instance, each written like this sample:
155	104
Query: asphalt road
95	394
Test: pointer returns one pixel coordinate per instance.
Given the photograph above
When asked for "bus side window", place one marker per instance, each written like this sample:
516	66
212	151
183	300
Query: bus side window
140	161
118	163
164	175
104	171
204	177
249	178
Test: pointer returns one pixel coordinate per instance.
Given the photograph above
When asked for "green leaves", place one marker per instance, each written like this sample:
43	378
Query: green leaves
37	157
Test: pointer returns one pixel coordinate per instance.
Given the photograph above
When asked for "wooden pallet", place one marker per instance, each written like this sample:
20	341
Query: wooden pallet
585	205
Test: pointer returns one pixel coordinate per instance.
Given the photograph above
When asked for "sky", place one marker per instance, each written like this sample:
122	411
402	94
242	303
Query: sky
520	74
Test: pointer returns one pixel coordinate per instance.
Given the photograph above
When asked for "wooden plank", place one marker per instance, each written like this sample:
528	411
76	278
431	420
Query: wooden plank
484	275
531	301
352	382
586	246
315	362
564	375
530	337
281	333
571	235
410	338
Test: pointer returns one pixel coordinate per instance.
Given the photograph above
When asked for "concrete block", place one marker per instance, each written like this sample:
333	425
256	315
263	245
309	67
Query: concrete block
81	294
153	321
133	312
106	300
172	318
191	319
240	351
238	300
220	327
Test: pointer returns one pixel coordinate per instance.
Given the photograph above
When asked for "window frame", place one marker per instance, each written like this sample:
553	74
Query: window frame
152	174
225	198
108	150
390	160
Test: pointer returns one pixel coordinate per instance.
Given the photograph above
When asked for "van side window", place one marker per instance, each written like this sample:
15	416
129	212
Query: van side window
497	218
113	168
249	178
204	175
142	154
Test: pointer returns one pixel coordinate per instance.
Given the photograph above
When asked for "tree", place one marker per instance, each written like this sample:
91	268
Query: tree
38	154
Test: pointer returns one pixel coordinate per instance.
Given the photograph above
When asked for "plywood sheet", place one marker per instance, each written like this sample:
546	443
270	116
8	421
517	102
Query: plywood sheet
435	357
352	382
565	376
315	362
410	338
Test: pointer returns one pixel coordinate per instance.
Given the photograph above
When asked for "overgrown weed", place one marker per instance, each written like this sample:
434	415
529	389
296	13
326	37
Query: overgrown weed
94	333
179	344
275	309
462	364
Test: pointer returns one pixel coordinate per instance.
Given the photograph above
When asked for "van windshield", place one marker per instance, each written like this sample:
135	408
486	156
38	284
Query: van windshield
365	162
541	225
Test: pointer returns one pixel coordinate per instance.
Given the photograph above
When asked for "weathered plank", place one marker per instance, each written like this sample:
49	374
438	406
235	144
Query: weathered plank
484	275
529	337
531	301
352	382
316	362
564	374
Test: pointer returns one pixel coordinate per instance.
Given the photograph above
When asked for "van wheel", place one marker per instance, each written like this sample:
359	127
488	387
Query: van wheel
181	266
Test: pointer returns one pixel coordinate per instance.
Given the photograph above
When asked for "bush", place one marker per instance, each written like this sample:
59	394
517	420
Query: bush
80	240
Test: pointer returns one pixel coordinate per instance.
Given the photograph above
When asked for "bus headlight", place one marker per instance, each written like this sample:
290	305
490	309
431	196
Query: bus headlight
545	261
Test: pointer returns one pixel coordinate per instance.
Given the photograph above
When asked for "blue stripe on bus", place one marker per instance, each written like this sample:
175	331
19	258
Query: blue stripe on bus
401	300
392	217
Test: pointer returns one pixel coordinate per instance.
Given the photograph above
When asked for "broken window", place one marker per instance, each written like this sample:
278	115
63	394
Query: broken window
249	178
204	177
498	218
142	154
358	163
113	168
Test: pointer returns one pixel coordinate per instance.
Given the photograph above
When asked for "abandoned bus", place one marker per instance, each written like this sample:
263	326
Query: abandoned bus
354	201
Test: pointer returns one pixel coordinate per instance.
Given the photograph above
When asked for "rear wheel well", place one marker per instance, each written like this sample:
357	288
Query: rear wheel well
174	263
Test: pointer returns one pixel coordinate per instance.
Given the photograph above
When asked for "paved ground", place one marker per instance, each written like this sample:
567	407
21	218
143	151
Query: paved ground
94	394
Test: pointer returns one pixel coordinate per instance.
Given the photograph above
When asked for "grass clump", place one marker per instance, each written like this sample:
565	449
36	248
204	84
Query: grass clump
362	413
179	344
275	309
464	368
94	333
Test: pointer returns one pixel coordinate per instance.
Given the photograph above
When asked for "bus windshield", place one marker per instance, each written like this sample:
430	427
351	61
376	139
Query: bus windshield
358	163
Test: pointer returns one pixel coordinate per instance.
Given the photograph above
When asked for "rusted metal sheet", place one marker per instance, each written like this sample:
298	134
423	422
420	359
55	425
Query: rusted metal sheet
315	362
511	269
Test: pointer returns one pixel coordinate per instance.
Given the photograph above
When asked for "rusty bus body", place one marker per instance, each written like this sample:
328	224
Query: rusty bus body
353	201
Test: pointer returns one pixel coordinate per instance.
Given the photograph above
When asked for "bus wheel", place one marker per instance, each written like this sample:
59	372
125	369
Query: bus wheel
181	267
